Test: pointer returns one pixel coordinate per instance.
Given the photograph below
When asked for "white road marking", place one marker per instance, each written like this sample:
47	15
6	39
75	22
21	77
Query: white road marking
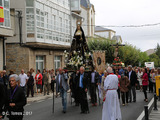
142	114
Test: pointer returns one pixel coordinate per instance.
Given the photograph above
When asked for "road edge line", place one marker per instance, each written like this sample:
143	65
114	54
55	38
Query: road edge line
149	106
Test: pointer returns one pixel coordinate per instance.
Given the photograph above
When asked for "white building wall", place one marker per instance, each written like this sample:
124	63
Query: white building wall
18	5
1	55
91	22
103	34
58	30
84	15
74	24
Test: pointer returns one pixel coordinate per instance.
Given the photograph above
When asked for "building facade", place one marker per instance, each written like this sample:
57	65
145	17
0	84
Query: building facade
104	32
5	30
84	10
42	33
43	30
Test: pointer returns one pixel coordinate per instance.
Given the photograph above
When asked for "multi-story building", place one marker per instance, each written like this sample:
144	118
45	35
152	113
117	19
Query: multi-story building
104	32
42	33
5	30
83	9
43	30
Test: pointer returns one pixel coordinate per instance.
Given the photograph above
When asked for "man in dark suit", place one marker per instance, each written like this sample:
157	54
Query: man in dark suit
82	85
73	87
133	83
16	99
93	82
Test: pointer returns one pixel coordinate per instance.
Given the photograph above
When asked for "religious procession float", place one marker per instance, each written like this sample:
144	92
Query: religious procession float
79	53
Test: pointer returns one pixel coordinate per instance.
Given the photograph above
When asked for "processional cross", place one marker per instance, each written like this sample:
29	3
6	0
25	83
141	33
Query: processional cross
117	46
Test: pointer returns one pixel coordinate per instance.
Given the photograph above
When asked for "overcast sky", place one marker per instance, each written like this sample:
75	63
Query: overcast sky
131	12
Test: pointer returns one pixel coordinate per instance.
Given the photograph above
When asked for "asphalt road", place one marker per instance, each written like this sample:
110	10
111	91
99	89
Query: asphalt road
42	110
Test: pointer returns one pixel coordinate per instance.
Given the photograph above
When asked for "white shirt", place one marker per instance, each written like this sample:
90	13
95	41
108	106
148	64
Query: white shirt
93	77
59	79
23	78
130	75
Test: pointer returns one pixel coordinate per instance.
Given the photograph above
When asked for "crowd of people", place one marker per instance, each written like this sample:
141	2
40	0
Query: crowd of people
98	86
14	90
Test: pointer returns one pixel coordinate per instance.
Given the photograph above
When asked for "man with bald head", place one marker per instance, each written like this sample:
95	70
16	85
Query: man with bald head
111	106
62	87
82	84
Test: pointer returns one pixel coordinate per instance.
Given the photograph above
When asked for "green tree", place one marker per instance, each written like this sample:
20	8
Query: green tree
129	54
158	50
154	58
143	57
104	45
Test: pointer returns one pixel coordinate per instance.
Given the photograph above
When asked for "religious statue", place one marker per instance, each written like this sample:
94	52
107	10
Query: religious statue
79	52
116	52
117	46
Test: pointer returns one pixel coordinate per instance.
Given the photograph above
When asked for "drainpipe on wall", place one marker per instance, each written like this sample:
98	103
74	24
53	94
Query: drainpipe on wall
20	26
4	54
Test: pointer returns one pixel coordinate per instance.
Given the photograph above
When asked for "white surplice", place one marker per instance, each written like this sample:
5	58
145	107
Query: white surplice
111	106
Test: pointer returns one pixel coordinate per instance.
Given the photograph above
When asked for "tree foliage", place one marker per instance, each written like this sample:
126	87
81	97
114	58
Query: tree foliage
104	45
129	54
155	57
158	50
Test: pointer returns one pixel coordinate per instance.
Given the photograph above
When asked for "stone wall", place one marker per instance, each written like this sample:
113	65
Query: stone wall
17	58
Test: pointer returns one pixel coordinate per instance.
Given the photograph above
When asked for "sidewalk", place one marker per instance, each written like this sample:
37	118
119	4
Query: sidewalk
155	114
41	97
38	97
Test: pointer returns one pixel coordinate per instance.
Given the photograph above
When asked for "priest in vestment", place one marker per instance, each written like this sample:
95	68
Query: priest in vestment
111	106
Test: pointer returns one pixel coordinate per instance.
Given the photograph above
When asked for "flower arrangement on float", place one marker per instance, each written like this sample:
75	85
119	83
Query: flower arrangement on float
76	60
117	62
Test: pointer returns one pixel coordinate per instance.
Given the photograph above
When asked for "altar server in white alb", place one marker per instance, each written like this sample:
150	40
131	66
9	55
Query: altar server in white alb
111	106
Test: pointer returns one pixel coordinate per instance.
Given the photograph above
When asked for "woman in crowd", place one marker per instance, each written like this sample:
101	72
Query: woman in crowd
119	77
124	83
33	74
139	76
145	83
30	84
153	80
38	79
102	83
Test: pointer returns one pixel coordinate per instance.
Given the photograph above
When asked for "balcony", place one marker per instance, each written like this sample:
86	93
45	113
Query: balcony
75	6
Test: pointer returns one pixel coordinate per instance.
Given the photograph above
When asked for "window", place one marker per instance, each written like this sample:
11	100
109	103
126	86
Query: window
52	20
6	5
40	18
0	2
75	5
30	24
40	33
29	3
40	63
57	62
